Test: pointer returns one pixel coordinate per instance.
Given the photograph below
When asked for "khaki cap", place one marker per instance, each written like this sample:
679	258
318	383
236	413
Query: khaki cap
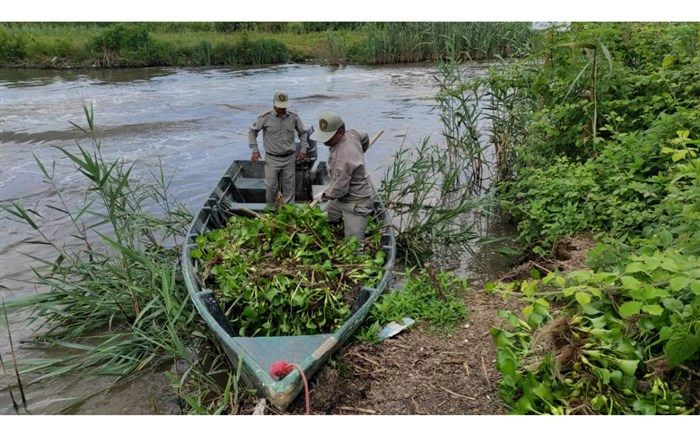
281	99
328	125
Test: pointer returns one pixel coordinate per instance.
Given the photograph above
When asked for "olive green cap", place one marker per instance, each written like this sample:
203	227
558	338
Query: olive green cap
328	125
281	99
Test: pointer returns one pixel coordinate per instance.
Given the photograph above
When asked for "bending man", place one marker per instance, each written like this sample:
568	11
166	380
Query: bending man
349	195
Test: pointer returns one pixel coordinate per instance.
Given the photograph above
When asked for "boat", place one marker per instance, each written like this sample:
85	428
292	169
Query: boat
239	191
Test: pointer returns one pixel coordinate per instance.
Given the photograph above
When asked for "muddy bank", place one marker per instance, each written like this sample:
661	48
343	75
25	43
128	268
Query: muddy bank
424	373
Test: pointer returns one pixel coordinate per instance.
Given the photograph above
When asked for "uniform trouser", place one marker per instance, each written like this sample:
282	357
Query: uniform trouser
279	176
354	214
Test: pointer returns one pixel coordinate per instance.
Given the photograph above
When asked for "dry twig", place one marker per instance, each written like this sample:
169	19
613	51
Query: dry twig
457	394
359	410
483	367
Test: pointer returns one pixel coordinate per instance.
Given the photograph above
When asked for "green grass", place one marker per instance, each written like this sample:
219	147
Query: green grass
433	298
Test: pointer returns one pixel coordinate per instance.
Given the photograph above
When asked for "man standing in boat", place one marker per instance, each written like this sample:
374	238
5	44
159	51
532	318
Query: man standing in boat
278	126
349	195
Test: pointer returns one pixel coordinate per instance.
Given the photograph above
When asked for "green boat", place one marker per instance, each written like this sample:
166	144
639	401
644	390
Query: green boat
241	190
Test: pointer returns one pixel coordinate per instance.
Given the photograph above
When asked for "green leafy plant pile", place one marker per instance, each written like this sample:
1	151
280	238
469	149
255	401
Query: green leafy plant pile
287	273
625	341
434	298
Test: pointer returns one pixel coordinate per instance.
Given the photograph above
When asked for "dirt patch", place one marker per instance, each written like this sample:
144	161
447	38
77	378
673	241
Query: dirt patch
417	372
571	253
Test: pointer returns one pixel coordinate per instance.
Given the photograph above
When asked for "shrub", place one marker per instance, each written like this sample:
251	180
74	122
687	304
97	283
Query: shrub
13	46
628	187
612	150
231	26
123	36
249	51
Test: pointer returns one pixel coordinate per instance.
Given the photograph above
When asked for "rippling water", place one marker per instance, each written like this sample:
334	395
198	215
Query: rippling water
194	122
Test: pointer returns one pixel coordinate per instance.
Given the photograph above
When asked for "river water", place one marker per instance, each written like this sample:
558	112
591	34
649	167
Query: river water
193	122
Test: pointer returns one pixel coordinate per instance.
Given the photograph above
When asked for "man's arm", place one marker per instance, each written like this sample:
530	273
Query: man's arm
364	140
301	131
253	137
253	133
341	180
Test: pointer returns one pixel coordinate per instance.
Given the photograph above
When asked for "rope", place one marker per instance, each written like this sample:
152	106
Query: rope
280	369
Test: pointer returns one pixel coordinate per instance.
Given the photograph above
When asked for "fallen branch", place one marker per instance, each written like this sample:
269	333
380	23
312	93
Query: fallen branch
369	360
483	367
457	394
359	410
458	362
415	406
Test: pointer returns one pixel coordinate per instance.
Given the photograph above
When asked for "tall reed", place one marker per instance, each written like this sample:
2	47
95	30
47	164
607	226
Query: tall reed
461	112
432	212
108	45
416	42
115	303
440	191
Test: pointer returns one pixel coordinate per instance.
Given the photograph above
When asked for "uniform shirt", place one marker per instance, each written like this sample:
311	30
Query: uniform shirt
278	133
346	165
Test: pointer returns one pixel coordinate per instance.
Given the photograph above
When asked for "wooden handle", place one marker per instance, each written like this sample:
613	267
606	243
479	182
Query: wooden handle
318	197
374	138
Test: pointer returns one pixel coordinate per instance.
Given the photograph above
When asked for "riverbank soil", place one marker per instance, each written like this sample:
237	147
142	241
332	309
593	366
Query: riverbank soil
424	372
421	372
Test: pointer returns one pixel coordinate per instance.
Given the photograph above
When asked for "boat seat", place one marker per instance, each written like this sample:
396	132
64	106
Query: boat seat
251	206
316	189
250	184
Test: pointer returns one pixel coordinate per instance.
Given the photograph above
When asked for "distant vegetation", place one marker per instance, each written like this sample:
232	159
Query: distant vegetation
100	45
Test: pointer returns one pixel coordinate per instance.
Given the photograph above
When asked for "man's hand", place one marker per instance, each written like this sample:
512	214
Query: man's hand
319	197
301	156
255	157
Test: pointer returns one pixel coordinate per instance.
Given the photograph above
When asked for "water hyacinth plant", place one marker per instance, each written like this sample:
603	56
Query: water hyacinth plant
287	273
621	342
